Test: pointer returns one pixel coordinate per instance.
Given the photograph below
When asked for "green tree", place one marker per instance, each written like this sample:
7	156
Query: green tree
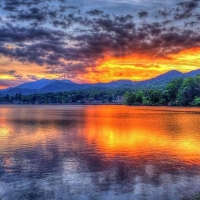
187	92
196	101
171	91
154	96
129	98
139	97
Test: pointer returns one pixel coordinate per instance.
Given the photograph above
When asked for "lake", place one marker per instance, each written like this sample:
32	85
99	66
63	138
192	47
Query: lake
99	152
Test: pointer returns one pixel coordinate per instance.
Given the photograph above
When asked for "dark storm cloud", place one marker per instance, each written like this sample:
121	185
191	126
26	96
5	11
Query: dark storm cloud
95	12
70	7
11	5
10	8
13	34
164	12
185	9
143	14
116	40
66	21
167	22
189	5
75	42
36	12
191	24
183	15
33	13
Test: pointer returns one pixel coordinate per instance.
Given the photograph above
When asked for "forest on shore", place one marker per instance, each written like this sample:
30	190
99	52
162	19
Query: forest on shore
179	92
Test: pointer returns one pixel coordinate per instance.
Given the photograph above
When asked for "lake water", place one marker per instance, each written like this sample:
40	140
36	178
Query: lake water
99	152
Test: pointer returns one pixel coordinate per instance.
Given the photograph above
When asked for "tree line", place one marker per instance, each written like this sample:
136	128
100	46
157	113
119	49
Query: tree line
94	95
179	92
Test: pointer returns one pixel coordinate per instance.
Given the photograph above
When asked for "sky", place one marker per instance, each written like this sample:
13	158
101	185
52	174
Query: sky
89	41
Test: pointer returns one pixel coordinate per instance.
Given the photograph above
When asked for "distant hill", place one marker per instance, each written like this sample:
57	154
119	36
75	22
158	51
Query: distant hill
192	73
60	86
45	85
161	80
36	85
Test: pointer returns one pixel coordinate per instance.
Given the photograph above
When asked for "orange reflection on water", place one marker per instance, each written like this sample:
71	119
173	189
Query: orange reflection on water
112	130
13	140
22	129
136	132
3	132
38	127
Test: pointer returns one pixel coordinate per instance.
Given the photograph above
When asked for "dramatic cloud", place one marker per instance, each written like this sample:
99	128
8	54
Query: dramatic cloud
78	38
143	14
95	12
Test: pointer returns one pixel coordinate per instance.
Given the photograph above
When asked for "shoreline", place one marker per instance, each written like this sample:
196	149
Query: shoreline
100	104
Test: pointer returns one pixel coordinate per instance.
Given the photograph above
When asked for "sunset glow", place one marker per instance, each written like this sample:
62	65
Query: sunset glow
135	137
99	99
135	67
97	42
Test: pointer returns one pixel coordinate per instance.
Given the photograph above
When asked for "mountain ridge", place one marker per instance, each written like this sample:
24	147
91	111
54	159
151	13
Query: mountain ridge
46	85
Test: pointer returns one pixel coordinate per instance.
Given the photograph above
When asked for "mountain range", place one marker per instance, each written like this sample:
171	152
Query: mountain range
45	85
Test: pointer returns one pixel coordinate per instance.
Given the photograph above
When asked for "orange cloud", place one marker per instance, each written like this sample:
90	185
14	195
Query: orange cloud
134	67
141	67
22	69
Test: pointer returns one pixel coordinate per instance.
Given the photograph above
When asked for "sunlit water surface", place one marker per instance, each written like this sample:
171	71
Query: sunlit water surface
99	152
